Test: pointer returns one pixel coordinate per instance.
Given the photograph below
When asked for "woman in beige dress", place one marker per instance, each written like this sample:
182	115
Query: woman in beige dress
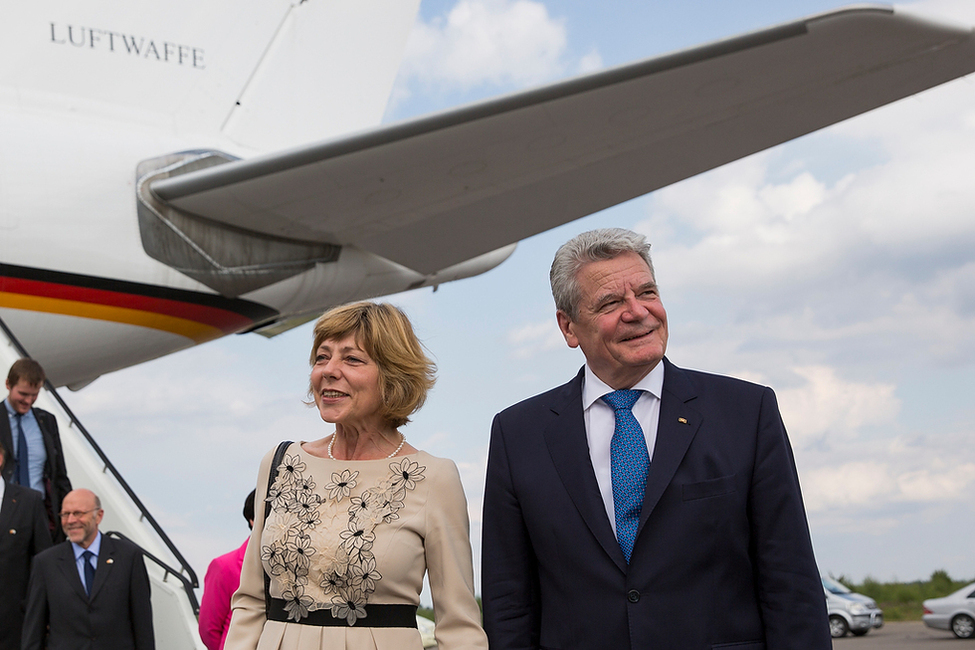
346	526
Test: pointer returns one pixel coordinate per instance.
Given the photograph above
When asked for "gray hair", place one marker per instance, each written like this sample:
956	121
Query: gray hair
592	246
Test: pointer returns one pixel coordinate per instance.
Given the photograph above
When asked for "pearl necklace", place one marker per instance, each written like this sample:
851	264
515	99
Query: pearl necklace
402	441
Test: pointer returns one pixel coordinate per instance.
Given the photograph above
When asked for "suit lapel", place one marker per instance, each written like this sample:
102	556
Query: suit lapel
7	509
566	439
676	428
49	448
69	569
7	440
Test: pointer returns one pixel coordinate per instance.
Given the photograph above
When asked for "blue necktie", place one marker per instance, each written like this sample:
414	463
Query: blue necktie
23	457
89	571
629	462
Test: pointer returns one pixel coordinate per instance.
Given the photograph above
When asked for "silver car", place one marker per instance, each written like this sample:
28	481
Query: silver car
955	612
849	611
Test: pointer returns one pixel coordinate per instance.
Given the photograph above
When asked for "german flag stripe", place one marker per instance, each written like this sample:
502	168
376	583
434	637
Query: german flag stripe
197	316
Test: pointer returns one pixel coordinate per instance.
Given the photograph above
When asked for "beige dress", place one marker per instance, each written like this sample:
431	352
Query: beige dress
344	534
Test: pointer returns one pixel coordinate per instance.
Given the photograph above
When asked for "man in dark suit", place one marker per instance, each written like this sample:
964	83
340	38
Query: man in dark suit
23	534
641	505
44	468
90	592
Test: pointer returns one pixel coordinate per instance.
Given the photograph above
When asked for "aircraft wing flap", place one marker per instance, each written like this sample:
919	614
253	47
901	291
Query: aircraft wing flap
439	190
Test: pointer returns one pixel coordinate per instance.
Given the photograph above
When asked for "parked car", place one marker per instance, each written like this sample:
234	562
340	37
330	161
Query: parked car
955	612
849	611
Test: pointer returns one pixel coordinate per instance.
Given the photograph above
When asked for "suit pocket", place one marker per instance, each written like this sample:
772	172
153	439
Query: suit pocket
740	645
714	487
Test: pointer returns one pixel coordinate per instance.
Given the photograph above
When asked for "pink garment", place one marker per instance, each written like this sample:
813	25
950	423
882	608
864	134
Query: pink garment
220	583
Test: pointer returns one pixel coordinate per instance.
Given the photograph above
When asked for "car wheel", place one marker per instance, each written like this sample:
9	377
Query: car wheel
963	626
860	632
838	627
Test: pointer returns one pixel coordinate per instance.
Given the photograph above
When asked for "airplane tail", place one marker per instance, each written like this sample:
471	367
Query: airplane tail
264	73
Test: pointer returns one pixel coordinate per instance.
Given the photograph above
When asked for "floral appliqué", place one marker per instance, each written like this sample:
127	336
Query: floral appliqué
327	540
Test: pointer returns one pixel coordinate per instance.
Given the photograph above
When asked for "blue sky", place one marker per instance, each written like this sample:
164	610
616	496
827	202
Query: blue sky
836	269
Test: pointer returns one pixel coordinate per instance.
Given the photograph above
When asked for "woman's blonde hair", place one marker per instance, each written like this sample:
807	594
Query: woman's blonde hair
386	334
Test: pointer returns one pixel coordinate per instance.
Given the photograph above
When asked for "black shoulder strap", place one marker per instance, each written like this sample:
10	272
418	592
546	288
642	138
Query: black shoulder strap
271	475
273	470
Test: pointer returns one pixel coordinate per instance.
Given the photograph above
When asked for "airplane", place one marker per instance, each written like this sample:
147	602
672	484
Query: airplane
173	174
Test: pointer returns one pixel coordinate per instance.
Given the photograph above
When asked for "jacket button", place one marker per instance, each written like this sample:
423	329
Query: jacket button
633	596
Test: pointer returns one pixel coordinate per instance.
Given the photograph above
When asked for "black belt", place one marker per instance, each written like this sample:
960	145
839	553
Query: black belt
376	616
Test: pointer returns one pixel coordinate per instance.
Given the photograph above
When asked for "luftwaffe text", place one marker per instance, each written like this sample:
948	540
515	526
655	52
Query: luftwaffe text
117	42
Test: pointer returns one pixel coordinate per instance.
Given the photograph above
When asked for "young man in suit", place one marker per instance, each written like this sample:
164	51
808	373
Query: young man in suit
90	592
641	505
23	534
32	442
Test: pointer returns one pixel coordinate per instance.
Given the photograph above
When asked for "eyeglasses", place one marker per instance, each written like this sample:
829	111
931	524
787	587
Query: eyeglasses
77	514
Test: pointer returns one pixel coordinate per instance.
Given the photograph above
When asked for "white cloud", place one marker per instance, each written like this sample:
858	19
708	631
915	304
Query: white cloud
499	42
532	338
828	403
871	487
937	484
855	484
743	224
591	62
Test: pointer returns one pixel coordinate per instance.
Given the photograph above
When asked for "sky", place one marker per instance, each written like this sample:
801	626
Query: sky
837	268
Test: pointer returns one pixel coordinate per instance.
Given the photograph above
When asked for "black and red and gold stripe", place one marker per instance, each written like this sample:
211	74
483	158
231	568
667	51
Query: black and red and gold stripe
197	316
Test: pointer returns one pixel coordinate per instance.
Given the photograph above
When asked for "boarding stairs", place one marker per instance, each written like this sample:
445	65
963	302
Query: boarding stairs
174	604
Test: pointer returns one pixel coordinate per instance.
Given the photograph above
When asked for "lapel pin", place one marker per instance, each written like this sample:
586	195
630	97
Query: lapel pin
682	420
109	561
13	531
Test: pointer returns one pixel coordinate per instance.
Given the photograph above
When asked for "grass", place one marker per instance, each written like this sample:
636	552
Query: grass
901	601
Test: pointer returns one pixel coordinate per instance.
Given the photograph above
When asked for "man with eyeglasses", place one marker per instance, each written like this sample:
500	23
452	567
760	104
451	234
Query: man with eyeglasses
32	443
23	534
91	591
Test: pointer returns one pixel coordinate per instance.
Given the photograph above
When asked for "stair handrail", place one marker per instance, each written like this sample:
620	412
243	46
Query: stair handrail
146	515
170	571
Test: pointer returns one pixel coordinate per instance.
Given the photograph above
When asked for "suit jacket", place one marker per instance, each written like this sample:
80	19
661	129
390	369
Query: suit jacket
23	534
55	475
118	616
722	557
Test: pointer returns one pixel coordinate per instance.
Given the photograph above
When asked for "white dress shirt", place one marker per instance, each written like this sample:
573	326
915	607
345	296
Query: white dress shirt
601	422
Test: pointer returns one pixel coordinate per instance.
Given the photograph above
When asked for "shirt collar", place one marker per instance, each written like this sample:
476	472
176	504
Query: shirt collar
593	388
11	412
95	547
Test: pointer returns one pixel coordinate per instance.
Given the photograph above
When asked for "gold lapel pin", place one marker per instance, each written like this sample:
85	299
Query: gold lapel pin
13	531
682	420
109	561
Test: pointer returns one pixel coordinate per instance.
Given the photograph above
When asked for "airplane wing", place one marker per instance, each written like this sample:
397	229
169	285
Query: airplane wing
436	191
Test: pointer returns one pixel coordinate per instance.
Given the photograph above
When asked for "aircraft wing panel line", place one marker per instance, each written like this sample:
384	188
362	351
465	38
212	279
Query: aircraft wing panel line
285	16
462	183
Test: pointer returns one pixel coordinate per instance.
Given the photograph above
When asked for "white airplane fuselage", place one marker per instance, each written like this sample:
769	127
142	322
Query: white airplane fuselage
94	92
78	288
99	101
